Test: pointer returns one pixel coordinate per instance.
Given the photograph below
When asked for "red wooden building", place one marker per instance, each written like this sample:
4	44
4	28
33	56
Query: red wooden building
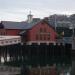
41	32
33	31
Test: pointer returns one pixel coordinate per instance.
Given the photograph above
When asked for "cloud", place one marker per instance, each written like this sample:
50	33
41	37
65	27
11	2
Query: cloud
17	10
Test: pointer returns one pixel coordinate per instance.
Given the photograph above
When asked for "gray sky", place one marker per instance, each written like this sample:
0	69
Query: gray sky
17	10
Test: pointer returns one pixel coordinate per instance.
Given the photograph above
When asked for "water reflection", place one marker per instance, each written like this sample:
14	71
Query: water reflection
47	56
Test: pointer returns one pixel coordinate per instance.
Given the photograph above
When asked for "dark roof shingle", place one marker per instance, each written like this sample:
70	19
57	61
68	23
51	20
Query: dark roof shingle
15	25
18	25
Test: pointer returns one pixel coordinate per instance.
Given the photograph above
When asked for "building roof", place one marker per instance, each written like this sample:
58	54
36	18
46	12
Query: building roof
1	25
19	25
65	24
23	25
33	24
15	25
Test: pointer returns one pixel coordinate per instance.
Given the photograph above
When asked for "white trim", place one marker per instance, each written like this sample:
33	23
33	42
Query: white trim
54	43
8	40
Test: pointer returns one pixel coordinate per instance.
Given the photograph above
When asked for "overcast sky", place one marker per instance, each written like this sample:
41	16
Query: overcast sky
17	10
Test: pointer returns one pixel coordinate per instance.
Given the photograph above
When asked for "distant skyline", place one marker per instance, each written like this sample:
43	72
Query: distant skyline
17	10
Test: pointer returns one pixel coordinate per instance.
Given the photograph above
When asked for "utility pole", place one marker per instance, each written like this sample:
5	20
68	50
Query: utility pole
55	22
73	50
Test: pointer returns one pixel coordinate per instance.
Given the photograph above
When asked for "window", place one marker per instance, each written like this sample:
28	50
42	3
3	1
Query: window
15	40
19	40
44	37
2	42
6	41
4	33
40	37
10	41
41	30
1	33
37	37
48	36
45	30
